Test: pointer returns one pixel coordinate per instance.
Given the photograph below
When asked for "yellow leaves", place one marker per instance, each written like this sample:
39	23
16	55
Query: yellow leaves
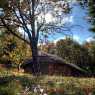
14	49
16	56
20	53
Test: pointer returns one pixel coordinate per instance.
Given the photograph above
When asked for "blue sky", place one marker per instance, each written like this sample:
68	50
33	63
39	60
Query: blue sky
79	25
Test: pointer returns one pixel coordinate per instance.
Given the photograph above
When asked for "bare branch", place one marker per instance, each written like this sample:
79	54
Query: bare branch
12	32
38	30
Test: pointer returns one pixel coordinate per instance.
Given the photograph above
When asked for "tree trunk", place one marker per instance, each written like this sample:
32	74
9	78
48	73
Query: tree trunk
35	62
19	65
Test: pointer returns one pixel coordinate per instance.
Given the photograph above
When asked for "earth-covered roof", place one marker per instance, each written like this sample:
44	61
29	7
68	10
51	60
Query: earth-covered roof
44	57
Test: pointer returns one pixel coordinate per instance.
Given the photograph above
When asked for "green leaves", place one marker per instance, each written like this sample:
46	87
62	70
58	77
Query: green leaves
72	52
12	48
91	9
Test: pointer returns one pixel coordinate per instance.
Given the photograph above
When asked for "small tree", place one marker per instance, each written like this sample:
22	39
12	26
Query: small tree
12	50
18	55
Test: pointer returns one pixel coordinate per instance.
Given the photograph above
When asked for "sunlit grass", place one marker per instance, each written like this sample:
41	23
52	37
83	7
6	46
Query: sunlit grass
51	84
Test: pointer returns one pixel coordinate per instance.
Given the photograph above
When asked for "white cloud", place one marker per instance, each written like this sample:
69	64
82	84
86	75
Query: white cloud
89	39
67	19
76	38
48	17
59	39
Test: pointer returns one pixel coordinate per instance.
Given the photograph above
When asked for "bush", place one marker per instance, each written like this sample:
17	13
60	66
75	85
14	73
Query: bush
4	71
4	60
12	88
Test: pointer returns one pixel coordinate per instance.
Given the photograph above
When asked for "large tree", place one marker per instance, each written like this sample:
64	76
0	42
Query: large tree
31	16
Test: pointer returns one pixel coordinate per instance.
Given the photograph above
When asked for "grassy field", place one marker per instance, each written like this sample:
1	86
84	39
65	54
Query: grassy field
15	83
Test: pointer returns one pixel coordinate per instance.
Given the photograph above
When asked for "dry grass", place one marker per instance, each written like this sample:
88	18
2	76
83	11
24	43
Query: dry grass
53	83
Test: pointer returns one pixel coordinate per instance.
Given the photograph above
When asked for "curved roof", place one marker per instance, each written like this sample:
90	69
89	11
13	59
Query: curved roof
44	57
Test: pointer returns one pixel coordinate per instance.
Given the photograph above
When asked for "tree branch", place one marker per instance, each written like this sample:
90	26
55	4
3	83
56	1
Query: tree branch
12	32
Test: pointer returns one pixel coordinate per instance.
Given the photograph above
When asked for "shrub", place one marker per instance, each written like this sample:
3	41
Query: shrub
12	88
4	71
